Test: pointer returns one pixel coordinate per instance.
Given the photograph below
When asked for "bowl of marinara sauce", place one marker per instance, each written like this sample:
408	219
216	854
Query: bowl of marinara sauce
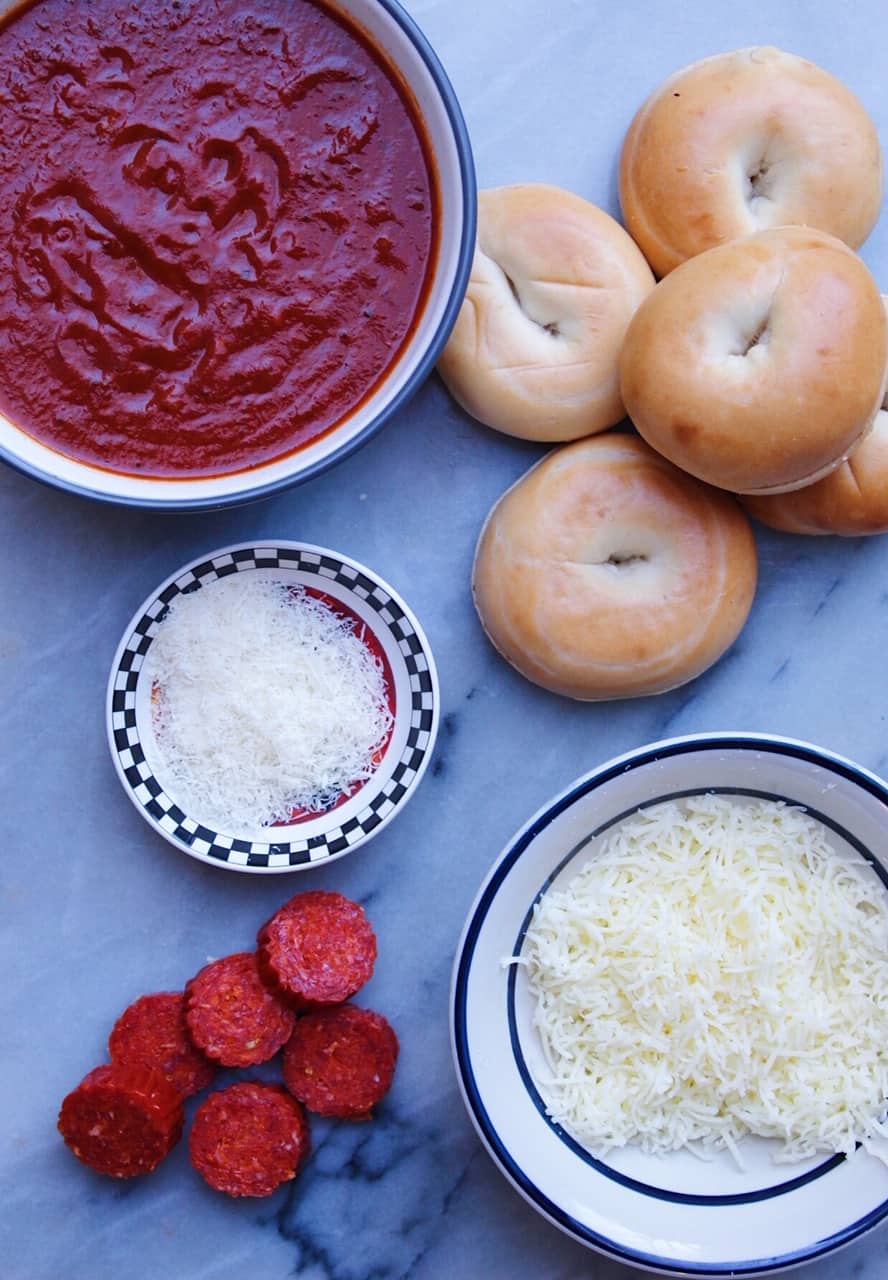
235	235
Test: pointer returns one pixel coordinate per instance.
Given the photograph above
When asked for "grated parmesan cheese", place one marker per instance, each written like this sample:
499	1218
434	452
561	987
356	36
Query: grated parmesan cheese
717	970
267	701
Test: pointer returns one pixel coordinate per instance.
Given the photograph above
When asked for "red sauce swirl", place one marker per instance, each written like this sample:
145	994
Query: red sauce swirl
217	227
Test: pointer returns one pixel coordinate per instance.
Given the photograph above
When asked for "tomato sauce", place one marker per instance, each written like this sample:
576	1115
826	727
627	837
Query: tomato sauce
217	228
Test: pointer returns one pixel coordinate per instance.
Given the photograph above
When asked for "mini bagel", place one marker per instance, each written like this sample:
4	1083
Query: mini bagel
555	282
741	142
759	366
605	572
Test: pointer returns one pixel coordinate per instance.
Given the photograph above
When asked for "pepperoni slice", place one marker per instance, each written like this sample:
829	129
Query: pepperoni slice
122	1120
248	1139
232	1016
340	1062
318	949
151	1032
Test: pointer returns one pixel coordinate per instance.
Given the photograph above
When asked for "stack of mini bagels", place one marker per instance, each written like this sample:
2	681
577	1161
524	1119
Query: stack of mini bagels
622	564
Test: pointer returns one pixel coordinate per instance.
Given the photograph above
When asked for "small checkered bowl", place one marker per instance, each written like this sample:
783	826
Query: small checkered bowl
319	837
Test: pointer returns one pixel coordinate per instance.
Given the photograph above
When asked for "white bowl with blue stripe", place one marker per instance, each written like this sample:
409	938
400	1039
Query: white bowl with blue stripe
317	838
673	1215
390	29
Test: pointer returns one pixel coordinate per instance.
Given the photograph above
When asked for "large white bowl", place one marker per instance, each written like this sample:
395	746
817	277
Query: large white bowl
674	1215
390	29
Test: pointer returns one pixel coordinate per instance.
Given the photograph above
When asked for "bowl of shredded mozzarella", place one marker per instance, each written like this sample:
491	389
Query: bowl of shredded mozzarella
271	706
670	1006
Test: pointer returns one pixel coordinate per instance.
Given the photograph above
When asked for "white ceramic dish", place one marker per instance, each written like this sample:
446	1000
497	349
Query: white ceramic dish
674	1215
392	30
321	837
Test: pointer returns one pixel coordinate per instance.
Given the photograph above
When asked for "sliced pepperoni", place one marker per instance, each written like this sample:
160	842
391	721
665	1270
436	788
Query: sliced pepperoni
340	1062
248	1139
152	1033
232	1016
318	949
122	1120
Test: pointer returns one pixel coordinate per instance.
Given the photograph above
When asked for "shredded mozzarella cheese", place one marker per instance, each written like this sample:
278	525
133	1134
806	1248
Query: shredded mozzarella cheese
267	701
716	970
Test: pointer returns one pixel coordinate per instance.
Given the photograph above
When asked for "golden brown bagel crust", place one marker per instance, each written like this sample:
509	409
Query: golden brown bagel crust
851	501
743	141
607	573
759	366
555	281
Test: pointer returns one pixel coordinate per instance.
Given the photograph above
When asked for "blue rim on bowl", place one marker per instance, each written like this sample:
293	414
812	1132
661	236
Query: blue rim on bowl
434	344
312	840
672	1215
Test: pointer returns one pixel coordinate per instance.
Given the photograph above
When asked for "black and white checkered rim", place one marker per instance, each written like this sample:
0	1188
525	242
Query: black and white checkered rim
382	801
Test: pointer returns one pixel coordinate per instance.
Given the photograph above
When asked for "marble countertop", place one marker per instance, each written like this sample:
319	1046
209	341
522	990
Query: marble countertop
96	909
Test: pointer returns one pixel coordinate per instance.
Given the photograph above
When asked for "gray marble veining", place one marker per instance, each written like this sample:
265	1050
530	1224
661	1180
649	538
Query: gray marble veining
96	909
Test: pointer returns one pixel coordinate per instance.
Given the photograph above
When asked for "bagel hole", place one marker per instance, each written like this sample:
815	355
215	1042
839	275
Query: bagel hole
622	559
757	178
759	338
550	328
513	288
762	173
